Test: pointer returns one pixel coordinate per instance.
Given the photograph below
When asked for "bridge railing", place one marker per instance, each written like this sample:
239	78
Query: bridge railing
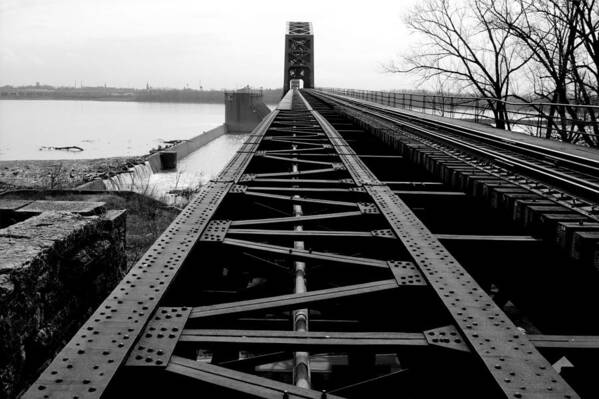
565	122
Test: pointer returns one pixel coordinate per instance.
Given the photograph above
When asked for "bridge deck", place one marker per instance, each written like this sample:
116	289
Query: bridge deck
402	284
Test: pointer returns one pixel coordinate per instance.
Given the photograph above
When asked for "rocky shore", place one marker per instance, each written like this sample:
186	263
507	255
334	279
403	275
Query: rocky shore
60	174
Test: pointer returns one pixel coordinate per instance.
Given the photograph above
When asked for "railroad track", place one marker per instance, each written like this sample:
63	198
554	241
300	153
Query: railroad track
571	180
322	264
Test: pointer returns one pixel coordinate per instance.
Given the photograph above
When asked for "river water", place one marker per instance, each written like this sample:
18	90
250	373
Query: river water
109	129
101	128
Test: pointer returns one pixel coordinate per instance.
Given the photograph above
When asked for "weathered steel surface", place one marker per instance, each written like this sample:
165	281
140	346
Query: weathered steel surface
511	359
237	240
293	300
308	201
86	365
241	382
158	340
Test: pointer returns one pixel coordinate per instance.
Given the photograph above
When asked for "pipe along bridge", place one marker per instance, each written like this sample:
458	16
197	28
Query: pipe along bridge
353	250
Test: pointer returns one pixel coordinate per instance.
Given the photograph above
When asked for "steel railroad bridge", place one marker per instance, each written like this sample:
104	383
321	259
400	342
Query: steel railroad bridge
353	250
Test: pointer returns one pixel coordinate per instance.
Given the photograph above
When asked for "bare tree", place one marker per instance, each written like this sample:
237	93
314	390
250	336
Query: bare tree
554	36
585	67
589	33
460	43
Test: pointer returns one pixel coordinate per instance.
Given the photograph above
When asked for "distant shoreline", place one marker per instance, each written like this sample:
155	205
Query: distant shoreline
118	99
125	95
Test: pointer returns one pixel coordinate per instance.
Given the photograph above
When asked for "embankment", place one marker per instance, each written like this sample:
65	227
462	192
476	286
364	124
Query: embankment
61	173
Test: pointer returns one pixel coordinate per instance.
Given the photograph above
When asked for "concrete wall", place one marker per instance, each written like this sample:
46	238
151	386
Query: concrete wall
243	111
261	109
186	147
55	268
182	149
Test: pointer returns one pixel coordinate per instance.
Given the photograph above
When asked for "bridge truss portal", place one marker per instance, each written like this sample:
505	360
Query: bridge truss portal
299	55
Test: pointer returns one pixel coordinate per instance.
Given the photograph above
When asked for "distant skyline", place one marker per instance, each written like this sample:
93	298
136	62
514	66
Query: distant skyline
180	43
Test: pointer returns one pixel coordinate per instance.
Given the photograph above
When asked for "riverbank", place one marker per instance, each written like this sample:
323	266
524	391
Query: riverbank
187	95
61	173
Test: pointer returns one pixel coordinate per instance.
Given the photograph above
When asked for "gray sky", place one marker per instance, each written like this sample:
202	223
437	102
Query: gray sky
220	43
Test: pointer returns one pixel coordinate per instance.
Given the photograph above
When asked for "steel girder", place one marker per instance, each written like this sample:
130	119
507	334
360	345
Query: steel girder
191	313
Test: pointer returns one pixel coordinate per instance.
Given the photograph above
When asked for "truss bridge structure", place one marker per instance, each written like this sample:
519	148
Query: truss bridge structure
351	250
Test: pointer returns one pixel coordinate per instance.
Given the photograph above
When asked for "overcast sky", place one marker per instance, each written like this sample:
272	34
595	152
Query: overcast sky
218	43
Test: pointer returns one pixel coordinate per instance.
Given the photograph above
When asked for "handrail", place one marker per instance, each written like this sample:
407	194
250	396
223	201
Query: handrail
573	123
472	98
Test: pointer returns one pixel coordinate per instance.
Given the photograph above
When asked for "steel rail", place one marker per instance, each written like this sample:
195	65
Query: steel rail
568	181
477	132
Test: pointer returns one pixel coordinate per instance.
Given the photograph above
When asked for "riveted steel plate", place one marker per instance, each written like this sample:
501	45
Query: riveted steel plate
406	273
107	336
446	337
384	233
247	177
216	231
358	170
158	340
234	169
238	189
368	208
511	359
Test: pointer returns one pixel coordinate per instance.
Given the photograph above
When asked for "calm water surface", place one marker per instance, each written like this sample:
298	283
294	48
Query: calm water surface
101	128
